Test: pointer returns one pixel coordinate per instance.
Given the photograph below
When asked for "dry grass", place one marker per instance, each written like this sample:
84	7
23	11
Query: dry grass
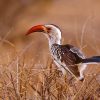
21	79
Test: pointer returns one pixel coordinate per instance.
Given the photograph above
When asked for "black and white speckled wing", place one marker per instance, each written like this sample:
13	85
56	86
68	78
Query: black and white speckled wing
70	57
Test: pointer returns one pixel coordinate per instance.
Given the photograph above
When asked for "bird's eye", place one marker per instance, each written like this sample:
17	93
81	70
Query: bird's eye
48	29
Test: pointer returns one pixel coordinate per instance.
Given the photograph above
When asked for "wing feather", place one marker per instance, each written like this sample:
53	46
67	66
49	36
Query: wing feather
71	56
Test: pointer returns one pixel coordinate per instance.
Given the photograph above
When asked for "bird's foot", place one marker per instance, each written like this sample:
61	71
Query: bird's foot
81	79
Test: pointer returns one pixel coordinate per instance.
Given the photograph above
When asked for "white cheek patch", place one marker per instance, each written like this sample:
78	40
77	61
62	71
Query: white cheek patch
55	30
55	34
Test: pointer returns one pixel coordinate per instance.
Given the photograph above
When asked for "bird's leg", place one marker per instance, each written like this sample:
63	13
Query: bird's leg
82	69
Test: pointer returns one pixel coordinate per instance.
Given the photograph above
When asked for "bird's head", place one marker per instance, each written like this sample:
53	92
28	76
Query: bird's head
52	32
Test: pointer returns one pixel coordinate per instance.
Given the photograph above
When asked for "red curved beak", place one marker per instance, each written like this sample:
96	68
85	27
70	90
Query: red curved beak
37	28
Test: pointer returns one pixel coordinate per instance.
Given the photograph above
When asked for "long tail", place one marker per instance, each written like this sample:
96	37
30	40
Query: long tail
92	60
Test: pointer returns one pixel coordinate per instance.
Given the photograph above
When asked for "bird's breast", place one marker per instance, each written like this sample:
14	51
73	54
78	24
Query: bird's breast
56	52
